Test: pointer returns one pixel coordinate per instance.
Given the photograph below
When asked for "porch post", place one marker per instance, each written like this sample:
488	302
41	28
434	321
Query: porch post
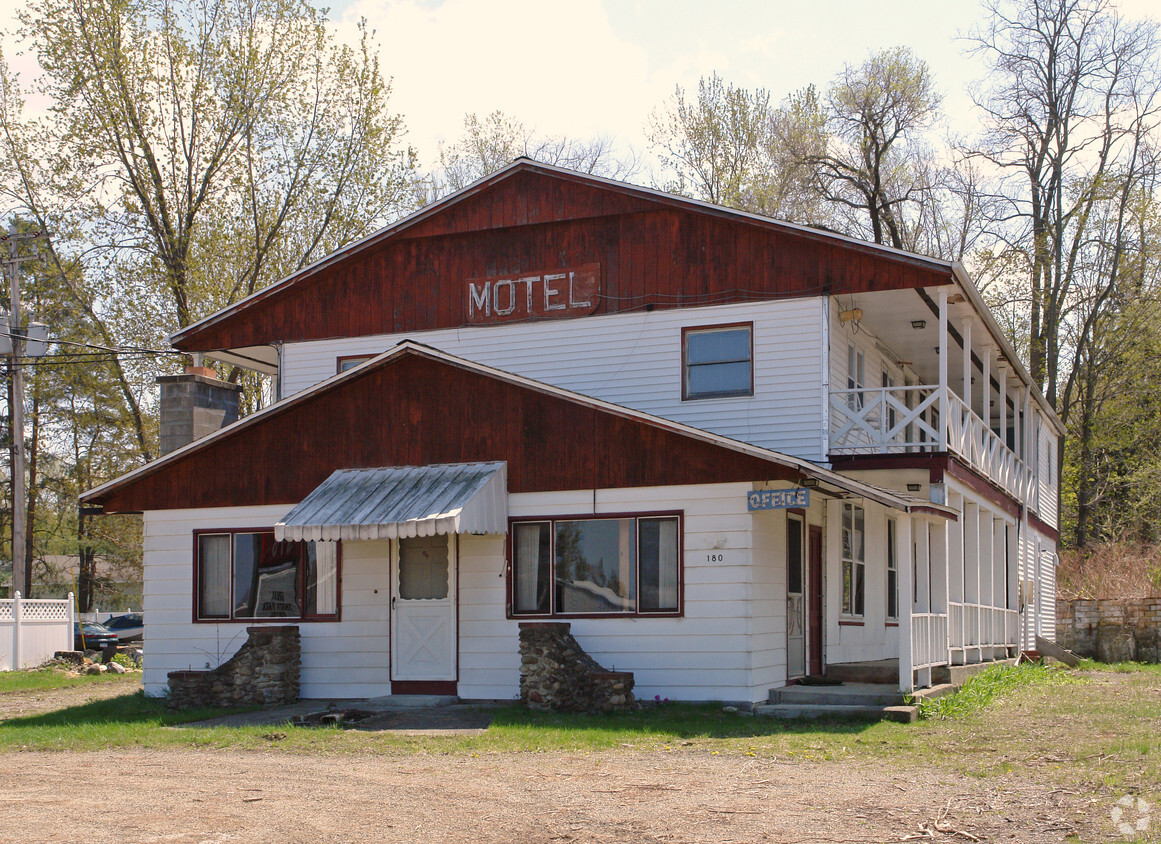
986	394
923	605
967	362
1002	374
971	580
987	551
906	561
939	564
943	351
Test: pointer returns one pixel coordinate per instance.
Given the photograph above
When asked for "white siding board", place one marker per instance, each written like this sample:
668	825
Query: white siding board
634	360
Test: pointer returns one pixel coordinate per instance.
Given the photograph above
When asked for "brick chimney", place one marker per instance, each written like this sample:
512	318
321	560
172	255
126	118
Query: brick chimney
195	404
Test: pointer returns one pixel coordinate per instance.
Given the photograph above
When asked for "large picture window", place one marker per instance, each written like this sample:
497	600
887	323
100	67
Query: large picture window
245	574
598	566
854	560
717	362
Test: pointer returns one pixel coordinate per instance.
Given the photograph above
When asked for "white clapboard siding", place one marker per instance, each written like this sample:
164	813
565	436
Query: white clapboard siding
1046	474
704	655
729	645
634	360
873	639
339	659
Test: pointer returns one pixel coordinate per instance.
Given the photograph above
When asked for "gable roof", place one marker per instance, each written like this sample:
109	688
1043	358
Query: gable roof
414	405
371	285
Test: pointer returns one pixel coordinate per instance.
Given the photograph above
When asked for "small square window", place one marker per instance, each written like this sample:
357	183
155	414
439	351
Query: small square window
717	362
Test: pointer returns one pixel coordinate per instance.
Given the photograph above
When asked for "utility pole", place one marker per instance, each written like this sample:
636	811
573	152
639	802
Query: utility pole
18	332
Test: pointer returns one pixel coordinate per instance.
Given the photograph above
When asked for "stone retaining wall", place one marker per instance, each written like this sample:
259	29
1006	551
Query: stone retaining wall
556	673
1111	630
264	671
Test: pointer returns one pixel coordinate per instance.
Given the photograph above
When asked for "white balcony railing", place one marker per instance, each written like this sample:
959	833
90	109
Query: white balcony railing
978	626
985	451
928	640
883	420
899	420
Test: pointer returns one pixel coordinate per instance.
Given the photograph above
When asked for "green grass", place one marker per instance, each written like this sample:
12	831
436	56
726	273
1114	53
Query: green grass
50	678
993	682
1094	729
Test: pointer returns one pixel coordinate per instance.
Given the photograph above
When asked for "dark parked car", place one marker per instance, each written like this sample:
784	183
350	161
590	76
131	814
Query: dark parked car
128	627
96	637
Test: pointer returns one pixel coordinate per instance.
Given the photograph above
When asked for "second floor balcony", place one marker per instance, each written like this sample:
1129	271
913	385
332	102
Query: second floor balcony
952	394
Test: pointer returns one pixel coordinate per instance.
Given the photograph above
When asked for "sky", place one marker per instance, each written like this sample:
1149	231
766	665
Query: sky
588	67
599	67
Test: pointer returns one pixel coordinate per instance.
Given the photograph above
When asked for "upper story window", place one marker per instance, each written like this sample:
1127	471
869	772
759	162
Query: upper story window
856	376
245	574
350	362
597	566
717	361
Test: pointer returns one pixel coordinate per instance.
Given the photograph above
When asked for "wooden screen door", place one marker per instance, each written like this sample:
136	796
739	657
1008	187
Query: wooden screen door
423	618
795	600
814	599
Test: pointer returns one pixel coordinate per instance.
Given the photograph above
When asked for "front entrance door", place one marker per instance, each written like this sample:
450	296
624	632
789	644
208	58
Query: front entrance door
423	617
795	600
814	594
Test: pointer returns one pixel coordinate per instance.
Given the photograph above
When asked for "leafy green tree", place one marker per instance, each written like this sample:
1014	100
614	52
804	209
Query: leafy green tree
217	146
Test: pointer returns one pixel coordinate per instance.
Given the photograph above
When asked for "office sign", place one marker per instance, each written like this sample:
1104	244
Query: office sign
778	499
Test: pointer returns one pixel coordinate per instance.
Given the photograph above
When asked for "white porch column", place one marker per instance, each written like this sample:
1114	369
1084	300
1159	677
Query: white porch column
906	587
986	393
967	362
987	548
938	564
923	543
999	585
1026	439
1002	377
943	352
1012	570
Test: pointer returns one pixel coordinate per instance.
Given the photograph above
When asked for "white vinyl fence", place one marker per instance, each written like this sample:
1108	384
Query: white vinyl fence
32	630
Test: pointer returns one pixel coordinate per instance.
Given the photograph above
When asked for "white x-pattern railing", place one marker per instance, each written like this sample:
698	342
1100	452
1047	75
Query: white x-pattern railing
898	420
878	419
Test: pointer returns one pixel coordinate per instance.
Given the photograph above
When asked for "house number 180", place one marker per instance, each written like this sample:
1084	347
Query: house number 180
714	558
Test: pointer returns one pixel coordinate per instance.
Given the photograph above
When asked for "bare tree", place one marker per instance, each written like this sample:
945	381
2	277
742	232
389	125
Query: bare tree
863	142
493	142
1070	108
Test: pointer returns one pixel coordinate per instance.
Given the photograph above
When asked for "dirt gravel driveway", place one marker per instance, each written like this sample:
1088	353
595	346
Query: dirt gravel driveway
215	796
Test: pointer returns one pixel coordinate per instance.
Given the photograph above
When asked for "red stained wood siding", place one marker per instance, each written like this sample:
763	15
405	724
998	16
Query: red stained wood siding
413	410
653	250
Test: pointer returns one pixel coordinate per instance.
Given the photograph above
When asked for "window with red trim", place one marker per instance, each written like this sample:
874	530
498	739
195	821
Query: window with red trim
246	575
597	566
717	361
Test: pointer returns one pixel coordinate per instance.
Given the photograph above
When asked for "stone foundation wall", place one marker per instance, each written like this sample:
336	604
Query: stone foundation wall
556	673
264	671
1111	630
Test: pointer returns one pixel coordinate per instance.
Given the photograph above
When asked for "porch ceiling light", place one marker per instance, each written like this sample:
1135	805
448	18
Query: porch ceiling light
810	483
918	324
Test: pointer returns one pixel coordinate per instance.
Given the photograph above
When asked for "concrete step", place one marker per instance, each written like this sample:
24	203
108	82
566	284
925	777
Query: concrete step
879	671
410	701
847	694
902	714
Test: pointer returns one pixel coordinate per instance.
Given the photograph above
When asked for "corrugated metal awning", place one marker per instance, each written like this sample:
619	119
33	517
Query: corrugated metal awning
402	501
